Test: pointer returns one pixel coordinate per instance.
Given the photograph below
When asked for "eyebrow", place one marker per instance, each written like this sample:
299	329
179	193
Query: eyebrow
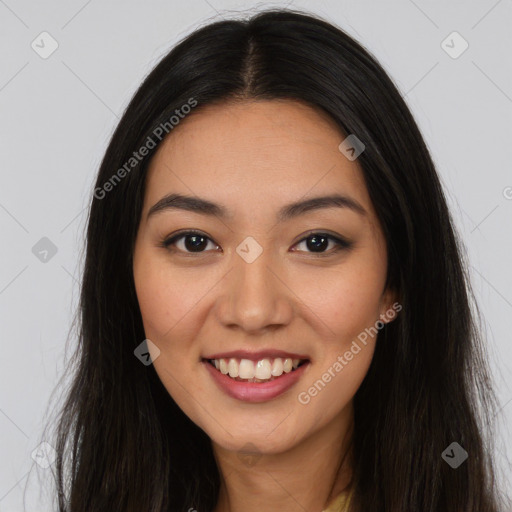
287	212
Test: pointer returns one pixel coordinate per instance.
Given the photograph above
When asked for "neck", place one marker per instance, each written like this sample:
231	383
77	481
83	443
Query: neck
307	476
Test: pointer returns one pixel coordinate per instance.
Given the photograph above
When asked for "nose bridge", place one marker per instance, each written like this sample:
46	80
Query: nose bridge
256	298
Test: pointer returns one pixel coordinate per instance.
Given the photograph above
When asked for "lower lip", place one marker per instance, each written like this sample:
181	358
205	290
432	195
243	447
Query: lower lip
255	391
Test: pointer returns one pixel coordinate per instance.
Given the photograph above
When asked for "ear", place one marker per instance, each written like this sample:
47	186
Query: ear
390	305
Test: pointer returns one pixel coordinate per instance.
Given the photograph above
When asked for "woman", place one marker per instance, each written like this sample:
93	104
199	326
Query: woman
314	350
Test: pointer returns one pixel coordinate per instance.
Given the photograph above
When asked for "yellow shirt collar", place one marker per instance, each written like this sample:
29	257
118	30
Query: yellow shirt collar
340	503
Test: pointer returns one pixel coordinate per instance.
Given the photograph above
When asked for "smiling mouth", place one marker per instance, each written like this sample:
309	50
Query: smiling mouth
263	370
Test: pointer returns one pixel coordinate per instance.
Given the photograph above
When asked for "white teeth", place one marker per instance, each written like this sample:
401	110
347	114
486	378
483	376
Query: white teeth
277	367
246	369
264	369
233	368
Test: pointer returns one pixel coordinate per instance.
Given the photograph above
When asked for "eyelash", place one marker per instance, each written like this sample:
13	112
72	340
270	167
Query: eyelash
341	244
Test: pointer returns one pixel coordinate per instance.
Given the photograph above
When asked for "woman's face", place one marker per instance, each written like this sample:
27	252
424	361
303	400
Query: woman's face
253	287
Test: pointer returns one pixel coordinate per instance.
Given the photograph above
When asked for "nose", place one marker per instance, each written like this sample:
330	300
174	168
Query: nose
255	297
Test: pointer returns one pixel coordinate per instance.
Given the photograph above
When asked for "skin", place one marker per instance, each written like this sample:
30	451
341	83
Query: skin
289	298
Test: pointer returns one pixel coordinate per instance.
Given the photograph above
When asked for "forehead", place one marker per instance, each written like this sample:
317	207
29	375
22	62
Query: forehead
255	153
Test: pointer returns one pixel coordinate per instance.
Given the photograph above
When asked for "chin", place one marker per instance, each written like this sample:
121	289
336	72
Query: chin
272	437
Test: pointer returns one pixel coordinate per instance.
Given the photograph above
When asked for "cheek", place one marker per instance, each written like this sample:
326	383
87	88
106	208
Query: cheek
157	302
168	300
347	300
169	307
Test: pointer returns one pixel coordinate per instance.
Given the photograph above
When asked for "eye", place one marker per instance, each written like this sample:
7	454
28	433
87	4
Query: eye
318	242
193	242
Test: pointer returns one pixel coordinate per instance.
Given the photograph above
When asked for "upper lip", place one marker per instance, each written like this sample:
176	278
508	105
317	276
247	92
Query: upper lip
256	356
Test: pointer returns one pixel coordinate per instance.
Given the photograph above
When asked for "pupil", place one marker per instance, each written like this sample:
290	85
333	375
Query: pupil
195	247
318	242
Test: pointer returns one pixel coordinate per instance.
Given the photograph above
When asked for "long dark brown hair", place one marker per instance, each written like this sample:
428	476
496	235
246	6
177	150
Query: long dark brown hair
124	445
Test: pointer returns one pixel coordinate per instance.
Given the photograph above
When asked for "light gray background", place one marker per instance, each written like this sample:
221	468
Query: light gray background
57	114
